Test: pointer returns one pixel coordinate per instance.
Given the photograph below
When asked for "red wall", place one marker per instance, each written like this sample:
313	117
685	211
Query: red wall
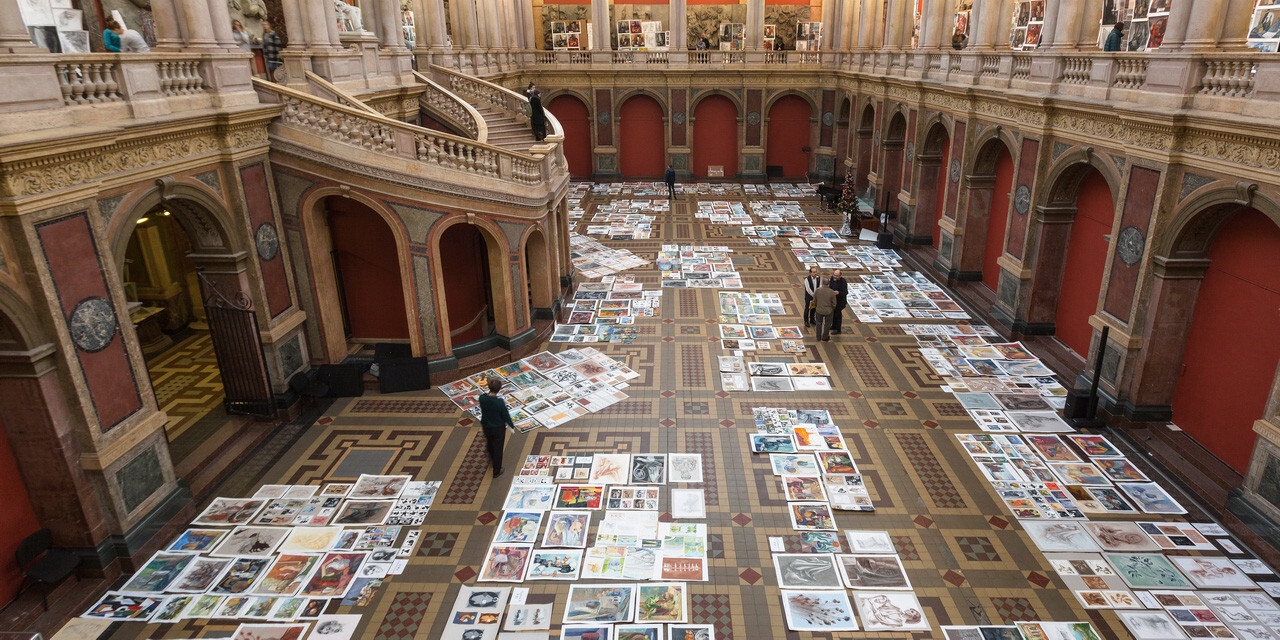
19	521
642	140
788	135
999	218
464	257
369	266
715	136
941	182
1086	260
576	122
1234	342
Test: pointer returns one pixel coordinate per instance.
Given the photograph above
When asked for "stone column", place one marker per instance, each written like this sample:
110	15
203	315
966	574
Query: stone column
14	37
293	21
931	21
221	24
389	21
755	24
1048	33
465	25
600	24
992	17
1070	25
830	30
199	23
329	19
429	22
168	33
866	32
848	26
1195	25
679	26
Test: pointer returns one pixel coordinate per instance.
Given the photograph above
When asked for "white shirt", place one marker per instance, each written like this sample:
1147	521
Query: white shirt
131	42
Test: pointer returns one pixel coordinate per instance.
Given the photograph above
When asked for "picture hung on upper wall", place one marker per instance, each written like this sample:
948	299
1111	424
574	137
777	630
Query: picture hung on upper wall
770	37
731	36
1264	26
960	23
808	36
1027	24
1148	20
917	9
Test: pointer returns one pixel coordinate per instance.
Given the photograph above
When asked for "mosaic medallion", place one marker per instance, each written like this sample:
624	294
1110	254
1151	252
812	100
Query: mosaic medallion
1130	244
603	117
828	119
677	117
753	118
92	324
1022	199
267	240
955	170
911	151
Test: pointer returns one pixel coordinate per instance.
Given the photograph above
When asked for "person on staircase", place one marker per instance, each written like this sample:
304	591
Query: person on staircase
537	117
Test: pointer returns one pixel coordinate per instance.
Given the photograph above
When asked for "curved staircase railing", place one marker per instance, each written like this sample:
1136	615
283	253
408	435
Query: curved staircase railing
496	97
453	110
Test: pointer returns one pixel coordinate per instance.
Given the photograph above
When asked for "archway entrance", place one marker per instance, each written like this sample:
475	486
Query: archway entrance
537	273
575	119
997	219
866	128
891	172
468	287
1233	343
842	140
787	144
715	136
642	138
366	264
1085	262
21	520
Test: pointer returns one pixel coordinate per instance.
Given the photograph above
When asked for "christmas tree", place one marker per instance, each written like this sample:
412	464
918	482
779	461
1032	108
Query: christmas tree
848	204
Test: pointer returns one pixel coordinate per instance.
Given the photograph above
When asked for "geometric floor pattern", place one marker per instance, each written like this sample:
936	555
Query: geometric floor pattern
969	561
186	382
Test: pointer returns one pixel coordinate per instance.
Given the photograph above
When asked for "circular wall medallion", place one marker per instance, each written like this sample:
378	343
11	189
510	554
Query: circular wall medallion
1130	244
911	151
603	117
955	170
753	118
828	118
267	241
93	324
678	117
1022	199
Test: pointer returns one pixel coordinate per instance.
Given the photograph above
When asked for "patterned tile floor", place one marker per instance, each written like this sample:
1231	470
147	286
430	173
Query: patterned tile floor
186	382
969	561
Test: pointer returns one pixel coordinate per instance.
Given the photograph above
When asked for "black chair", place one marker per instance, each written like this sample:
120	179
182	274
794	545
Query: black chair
42	564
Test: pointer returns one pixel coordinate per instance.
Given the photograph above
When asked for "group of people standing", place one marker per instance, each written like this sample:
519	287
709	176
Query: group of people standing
825	298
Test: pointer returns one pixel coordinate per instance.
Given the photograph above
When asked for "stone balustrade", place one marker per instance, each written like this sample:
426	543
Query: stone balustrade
452	110
88	81
486	94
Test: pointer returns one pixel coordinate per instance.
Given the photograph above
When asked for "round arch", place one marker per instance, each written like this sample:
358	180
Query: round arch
985	189
843	119
863	134
19	325
200	213
1196	222
892	146
539	276
813	104
716	126
319	245
931	183
642	134
789	133
983	161
501	286
709	93
574	114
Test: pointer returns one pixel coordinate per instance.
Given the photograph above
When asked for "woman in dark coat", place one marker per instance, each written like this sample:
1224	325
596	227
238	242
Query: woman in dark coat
537	119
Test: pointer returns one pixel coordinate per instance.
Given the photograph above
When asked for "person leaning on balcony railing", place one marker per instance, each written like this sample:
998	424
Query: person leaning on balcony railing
1115	39
959	40
130	41
109	37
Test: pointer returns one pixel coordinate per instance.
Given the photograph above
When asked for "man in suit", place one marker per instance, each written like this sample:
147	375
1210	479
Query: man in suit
810	286
841	287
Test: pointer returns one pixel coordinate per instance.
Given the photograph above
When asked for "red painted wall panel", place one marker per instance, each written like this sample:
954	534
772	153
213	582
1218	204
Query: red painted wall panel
998	218
1027	178
464	256
1139	201
369	266
1086	261
788	134
908	167
604	130
258	199
679	132
825	131
576	121
642	139
19	521
953	186
1234	342
72	256
715	135
944	191
754	97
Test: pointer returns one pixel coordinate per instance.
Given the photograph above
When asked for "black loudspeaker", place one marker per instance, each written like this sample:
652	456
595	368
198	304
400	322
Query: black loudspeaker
343	380
1077	405
384	351
404	374
884	240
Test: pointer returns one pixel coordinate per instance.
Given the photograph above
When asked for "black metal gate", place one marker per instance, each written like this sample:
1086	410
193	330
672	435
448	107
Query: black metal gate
238	347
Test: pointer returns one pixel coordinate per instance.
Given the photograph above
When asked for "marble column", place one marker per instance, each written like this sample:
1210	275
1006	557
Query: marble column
465	25
755	25
679	25
1066	31
168	33
993	17
866	33
849	26
829	30
430	21
493	14
293	21
389	21
221	24
600	24
199	23
330	36
1195	25
1049	32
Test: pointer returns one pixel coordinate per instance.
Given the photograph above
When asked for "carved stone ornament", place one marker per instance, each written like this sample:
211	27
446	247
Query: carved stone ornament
1022	199
828	119
267	241
753	118
1130	244
955	170
677	118
92	324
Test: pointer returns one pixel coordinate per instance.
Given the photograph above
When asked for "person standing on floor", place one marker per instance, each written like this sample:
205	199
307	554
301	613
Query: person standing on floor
810	285
841	287
824	305
495	420
537	118
271	47
670	177
1115	39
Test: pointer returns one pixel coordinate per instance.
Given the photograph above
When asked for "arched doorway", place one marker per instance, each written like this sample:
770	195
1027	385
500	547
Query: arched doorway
371	287
21	520
787	144
642	139
537	272
891	171
1085	262
575	119
468	286
930	186
1233	343
842	139
715	136
997	218
866	128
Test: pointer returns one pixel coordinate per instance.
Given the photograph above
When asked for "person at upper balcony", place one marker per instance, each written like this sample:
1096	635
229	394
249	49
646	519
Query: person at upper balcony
537	117
1115	39
271	47
703	44
959	40
240	35
109	38
130	41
